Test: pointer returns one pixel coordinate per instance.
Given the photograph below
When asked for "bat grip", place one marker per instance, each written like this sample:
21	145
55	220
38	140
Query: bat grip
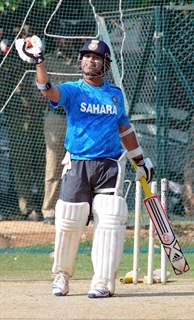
144	184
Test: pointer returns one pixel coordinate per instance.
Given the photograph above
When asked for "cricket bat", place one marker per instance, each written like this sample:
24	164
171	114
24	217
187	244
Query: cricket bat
163	228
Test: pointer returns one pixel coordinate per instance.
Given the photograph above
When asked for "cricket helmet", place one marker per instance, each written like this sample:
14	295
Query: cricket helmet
98	47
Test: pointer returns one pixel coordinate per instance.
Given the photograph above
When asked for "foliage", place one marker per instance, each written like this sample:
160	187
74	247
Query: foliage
9	5
45	3
12	5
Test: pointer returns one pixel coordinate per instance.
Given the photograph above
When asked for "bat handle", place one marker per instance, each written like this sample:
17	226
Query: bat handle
146	187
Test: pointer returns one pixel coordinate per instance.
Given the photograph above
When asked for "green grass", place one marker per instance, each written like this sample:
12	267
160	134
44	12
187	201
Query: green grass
33	266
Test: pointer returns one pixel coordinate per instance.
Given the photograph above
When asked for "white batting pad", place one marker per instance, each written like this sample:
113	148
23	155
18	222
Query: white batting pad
71	219
110	217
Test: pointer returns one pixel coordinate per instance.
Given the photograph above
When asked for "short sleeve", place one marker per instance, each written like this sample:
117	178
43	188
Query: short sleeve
64	96
122	117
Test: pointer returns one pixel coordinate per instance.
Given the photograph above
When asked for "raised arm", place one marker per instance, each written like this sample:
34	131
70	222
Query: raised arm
44	84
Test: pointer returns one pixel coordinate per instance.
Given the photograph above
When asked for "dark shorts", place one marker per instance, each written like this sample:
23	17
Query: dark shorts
88	177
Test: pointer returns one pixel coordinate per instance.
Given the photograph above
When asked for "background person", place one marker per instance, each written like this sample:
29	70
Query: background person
54	132
26	143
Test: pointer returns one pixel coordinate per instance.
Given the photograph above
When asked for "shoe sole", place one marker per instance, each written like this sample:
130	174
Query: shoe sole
93	296
60	294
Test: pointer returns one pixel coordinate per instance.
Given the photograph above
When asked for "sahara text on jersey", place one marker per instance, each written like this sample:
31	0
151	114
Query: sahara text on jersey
98	108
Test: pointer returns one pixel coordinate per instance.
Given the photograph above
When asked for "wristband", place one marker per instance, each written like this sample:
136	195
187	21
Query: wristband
126	132
135	153
44	86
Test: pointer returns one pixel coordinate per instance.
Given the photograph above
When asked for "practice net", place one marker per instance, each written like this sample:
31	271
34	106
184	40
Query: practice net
151	45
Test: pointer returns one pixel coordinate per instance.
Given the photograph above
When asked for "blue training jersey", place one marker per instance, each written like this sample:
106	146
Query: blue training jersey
94	115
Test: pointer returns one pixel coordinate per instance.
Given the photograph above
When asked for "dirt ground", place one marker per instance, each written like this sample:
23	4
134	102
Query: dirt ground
27	233
33	300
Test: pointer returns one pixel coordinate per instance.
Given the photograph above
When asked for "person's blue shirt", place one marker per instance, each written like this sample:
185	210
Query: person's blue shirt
94	115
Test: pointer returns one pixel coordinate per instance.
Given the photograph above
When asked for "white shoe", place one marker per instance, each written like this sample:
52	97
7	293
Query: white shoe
99	293
60	285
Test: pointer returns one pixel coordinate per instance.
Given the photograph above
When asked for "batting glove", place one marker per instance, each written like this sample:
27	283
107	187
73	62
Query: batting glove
145	168
30	49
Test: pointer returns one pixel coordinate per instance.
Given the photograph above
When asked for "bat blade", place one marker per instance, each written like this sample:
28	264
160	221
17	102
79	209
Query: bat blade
163	228
166	234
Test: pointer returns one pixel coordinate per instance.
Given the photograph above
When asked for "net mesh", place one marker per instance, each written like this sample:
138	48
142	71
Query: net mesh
154	67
